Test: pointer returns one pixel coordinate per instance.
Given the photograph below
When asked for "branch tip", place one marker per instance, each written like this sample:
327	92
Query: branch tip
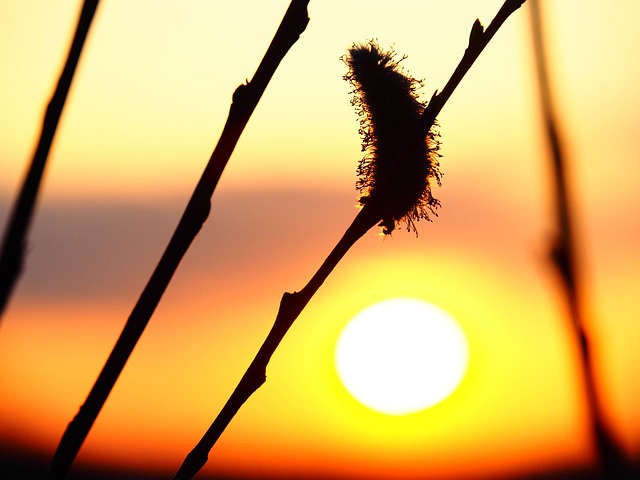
477	30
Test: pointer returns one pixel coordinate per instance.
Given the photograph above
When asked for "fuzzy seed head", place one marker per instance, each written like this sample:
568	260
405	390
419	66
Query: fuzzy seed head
386	100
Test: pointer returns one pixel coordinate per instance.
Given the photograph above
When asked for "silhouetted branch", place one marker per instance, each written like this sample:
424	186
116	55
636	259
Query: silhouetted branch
15	240
372	213
478	40
564	257
245	99
291	306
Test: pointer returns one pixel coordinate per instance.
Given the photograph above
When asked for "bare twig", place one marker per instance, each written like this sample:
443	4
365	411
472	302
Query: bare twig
372	212
611	457
15	240
291	306
478	40
245	99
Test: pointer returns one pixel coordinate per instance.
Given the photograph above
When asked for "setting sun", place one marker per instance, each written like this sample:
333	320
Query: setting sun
402	355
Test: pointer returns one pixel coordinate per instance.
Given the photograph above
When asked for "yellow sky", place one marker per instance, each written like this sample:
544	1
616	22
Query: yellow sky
148	102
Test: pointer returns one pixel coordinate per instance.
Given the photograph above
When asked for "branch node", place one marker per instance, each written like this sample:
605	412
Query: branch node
477	30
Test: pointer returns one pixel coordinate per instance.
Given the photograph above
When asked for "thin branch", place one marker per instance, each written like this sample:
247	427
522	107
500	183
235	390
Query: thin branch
245	99
15	240
611	456
292	304
479	38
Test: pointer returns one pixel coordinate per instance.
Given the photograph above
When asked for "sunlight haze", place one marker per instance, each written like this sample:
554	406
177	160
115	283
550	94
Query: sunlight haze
146	108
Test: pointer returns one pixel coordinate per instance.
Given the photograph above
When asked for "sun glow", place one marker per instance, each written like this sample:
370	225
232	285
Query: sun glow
401	356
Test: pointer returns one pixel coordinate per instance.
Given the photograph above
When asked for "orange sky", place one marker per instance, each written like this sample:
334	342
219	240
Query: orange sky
149	100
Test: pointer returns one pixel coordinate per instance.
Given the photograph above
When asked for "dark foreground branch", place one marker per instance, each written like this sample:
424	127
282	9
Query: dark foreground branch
245	99
292	304
15	240
611	457
478	40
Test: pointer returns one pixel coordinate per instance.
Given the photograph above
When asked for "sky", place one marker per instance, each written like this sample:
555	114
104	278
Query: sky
147	105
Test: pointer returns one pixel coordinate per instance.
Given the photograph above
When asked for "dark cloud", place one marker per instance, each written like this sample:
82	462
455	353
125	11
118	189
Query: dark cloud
108	249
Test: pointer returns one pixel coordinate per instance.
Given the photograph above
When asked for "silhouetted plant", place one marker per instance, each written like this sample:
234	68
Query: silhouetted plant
15	240
386	100
564	257
245	99
378	206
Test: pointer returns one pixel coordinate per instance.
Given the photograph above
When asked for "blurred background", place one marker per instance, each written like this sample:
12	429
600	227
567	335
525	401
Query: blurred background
147	105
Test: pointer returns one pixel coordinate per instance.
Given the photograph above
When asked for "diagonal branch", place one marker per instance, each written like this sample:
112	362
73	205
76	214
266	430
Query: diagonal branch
245	99
15	240
478	40
372	212
291	306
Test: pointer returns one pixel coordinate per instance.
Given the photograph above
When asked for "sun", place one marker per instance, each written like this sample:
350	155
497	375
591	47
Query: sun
402	355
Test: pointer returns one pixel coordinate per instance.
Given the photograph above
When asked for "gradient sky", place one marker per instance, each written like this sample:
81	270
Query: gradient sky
147	105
